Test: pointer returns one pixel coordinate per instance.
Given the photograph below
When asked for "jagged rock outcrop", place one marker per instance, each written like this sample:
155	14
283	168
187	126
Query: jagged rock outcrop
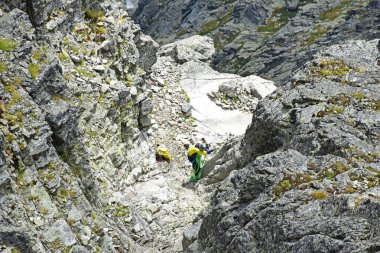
266	38
74	102
305	177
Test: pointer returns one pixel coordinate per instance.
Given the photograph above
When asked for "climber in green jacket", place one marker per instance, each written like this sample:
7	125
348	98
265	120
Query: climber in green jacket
194	154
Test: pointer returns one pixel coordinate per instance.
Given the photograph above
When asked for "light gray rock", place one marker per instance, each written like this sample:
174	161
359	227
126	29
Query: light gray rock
186	109
61	232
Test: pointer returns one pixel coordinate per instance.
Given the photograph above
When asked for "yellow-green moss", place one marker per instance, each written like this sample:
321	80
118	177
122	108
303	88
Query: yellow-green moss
335	12
62	57
70	222
319	195
349	189
319	32
93	15
17	80
34	70
215	24
335	169
100	30
290	182
280	17
10	88
84	72
37	55
209	27
311	166
7	45
9	138
57	97
2	67
121	211
14	250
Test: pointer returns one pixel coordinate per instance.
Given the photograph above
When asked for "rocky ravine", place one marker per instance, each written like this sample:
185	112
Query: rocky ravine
306	175
267	38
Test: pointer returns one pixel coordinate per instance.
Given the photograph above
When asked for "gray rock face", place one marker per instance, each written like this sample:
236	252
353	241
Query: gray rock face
266	38
305	177
68	120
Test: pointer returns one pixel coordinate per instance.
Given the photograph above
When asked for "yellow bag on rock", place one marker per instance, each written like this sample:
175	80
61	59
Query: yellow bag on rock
162	151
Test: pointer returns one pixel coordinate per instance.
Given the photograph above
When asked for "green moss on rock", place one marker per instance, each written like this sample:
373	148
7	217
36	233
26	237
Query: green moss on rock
34	70
94	15
316	195
7	45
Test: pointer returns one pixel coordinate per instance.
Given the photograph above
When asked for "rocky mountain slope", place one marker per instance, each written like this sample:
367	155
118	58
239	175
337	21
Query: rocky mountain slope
306	175
84	103
267	38
74	102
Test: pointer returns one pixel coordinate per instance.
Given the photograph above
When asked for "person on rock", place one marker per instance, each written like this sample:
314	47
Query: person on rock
194	154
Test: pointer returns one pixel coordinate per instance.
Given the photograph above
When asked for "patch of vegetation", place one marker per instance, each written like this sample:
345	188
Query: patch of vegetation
94	15
240	62
220	41
16	97
335	12
84	72
121	211
357	100
181	32
2	67
209	27
10	88
318	33
17	80
280	17
7	45
316	195
290	182
57	97
330	111
34	70
335	169
350	189
62	57
215	24
37	55
14	250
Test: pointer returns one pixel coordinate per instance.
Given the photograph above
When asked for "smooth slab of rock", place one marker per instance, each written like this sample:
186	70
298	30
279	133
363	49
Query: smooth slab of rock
60	231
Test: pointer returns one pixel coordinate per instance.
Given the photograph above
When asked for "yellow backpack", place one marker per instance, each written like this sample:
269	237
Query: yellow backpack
164	153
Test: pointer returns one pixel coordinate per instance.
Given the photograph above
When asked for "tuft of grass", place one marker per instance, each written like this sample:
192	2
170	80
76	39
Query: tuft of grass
290	182
209	27
319	32
349	189
2	67
10	88
94	15
34	70
17	80
319	195
280	17
7	45
335	12
62	57
37	55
